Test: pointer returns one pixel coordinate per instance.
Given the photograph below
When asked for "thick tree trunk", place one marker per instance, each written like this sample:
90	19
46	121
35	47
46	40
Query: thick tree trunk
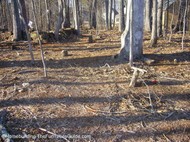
121	16
154	25
148	7
137	31
159	18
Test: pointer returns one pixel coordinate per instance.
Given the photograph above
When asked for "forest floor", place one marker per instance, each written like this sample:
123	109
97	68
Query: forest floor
87	98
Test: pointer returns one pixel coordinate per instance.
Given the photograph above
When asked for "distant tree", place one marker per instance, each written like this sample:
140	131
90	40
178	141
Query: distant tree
180	17
107	13
67	23
121	15
110	14
76	15
47	15
60	18
159	18
92	18
153	39
148	6
17	30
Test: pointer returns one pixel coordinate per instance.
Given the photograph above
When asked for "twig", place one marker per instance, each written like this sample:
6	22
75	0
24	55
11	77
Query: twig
3	77
149	97
168	140
51	133
169	115
100	111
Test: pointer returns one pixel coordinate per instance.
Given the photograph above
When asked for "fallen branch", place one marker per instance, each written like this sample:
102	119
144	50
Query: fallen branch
4	135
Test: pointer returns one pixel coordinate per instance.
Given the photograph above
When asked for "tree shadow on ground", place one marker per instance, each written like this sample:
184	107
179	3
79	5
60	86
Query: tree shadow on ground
96	61
72	124
180	57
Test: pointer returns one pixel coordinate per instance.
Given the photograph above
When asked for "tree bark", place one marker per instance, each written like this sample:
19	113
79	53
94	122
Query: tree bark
26	29
137	28
154	25
67	23
17	33
110	15
47	16
148	7
107	13
121	16
76	15
60	19
159	18
39	40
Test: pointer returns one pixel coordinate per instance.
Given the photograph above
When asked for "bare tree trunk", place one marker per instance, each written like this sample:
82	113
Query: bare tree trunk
114	7
110	15
40	43
121	16
171	30
60	19
148	6
107	10
47	16
26	29
131	35
137	27
9	17
154	25
17	33
76	15
67	23
184	24
159	16
93	14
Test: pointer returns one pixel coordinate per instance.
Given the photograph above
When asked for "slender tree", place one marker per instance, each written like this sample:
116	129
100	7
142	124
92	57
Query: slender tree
159	18
148	6
60	18
154	25
107	14
39	40
121	15
110	15
47	15
76	15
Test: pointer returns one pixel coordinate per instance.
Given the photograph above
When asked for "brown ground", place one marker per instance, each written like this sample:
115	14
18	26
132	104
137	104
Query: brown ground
87	93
